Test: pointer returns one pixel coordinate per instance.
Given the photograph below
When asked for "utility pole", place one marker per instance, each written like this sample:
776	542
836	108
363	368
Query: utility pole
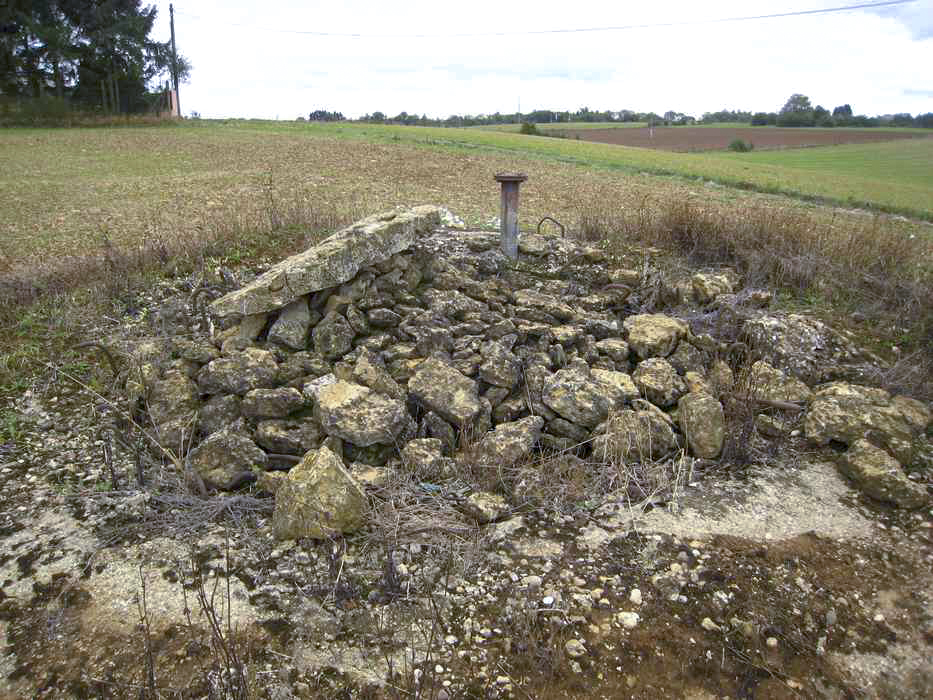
171	16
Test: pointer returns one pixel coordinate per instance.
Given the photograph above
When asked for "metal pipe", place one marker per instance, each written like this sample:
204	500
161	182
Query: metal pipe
508	215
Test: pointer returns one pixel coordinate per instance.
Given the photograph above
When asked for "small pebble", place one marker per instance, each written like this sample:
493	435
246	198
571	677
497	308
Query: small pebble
772	642
635	596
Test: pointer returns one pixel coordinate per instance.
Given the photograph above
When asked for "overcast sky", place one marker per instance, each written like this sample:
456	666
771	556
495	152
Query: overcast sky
251	61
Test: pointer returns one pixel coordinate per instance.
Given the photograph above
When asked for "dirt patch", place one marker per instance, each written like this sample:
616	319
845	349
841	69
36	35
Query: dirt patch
687	139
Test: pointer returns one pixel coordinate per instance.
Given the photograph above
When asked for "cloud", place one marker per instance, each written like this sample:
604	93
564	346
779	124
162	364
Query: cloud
911	92
870	59
916	16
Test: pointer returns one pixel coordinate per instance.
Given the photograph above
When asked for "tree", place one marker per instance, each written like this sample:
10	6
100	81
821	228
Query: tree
842	111
95	54
797	103
797	111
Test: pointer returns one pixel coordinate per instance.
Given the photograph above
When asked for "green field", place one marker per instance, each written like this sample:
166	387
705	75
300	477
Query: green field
894	177
879	166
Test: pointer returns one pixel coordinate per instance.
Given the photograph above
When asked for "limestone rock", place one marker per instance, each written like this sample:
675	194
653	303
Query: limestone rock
290	437
801	346
174	397
703	424
444	390
697	383
239	372
706	287
615	349
880	476
654	335
659	382
686	358
575	395
333	336
218	412
633	436
621	387
510	442
485	507
332	262
721	377
847	412
224	455
766	382
291	327
499	367
359	415
546	303
425	457
318	499
370	371
271	403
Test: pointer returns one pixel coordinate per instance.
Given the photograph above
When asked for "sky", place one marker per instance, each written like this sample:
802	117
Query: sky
261	60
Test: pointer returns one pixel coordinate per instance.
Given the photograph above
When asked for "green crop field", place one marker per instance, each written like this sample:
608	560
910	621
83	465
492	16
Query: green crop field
894	177
904	164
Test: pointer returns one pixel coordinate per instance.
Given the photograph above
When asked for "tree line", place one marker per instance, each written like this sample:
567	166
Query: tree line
797	111
93	55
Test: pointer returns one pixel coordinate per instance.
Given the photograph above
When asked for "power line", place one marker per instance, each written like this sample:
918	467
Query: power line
577	30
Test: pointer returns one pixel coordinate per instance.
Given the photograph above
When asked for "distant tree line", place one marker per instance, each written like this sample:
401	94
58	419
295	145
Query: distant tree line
538	116
797	111
94	56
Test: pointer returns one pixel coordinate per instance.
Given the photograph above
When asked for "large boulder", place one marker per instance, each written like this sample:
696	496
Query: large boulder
223	456
239	372
654	335
880	476
332	262
634	436
447	392
318	499
359	415
848	412
703	424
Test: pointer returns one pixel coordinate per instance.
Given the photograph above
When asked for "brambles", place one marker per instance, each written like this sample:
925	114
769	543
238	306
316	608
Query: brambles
740	146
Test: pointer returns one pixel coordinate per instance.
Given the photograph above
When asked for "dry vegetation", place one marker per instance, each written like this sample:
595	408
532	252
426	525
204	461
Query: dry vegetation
91	210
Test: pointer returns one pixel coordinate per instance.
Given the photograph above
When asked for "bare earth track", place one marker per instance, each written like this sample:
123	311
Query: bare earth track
687	139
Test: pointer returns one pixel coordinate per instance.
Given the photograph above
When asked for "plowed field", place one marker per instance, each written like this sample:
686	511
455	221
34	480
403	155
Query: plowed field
687	138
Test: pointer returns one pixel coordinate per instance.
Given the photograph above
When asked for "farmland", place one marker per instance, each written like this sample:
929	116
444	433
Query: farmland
685	139
68	192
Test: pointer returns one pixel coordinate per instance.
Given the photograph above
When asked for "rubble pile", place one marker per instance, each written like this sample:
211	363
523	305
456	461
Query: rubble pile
401	343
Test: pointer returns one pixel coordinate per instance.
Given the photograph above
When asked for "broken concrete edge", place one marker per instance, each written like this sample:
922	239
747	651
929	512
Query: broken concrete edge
333	261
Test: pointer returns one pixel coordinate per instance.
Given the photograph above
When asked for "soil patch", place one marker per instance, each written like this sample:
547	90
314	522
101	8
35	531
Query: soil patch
687	139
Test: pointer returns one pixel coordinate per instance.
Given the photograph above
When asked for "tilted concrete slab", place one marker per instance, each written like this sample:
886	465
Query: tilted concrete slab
333	261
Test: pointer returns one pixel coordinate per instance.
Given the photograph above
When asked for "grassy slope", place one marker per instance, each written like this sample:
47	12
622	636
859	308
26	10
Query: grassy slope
870	175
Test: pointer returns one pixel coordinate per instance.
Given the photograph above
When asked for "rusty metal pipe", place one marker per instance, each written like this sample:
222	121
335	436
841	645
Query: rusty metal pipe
508	216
